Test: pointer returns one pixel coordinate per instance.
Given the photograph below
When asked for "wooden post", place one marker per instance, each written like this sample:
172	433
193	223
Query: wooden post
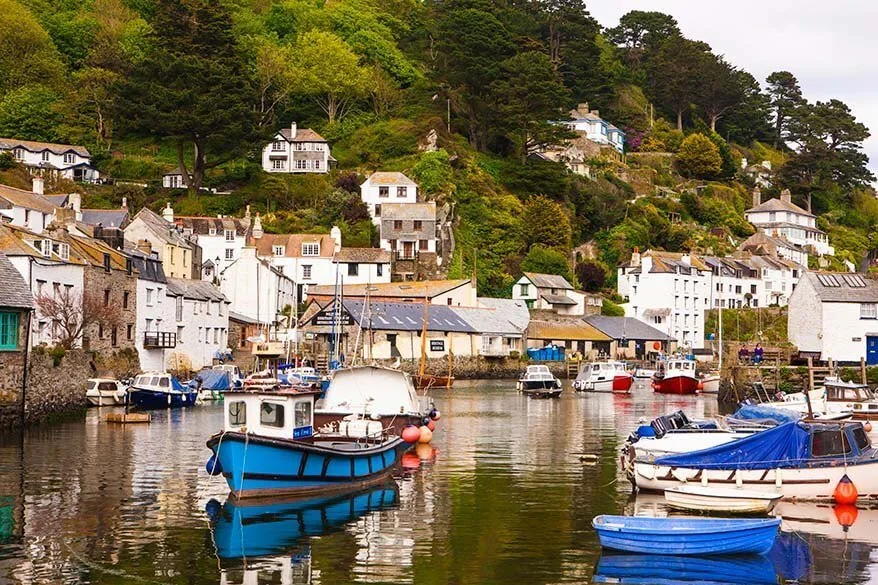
863	369
810	374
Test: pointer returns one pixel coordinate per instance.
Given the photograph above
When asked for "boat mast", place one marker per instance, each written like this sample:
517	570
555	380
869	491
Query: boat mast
423	364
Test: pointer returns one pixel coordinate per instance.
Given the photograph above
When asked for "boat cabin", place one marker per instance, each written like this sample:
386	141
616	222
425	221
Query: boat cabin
539	372
160	381
839	391
281	414
827	441
680	367
603	370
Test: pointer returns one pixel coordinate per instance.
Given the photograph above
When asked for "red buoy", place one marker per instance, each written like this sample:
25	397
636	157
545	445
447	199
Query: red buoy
845	492
846	515
431	425
411	434
867	426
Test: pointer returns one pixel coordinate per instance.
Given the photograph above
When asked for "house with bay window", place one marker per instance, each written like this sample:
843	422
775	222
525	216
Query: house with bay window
297	150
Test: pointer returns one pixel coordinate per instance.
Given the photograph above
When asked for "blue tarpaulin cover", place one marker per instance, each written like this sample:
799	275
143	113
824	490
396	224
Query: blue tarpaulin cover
219	380
787	445
759	412
177	385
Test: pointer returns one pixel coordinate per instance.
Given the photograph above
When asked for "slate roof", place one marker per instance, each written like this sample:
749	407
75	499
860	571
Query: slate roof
778	205
558	300
10	143
406	317
14	291
105	217
515	311
407	290
548	280
203	225
786	224
165	231
27	199
575	330
302	135
199	290
760	238
669	262
362	256
488	321
422	211
148	268
842	287
59	200
389	178
627	328
293	244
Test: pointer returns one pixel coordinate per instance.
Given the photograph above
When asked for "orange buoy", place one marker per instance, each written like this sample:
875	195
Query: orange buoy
410	461
700	385
845	492
425	452
846	515
411	434
431	425
867	427
426	435
656	345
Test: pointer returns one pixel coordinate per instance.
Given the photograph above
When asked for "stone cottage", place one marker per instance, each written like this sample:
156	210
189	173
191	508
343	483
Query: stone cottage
16	304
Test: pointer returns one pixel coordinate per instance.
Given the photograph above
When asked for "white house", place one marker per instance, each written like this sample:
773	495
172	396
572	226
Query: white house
255	289
591	126
27	209
363	265
304	258
550	292
781	217
408	229
221	239
66	160
383	187
201	316
174	179
835	316
296	150
49	268
156	325
777	246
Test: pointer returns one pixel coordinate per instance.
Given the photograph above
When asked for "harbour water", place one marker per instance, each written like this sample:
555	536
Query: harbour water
505	494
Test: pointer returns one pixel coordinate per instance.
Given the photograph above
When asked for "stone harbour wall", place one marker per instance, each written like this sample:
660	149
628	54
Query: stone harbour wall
477	367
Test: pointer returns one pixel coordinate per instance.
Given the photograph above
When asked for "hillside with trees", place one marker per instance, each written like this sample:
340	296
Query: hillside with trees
150	85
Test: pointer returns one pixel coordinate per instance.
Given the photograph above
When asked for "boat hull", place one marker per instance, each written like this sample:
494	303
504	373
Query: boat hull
720	500
153	399
542	392
637	569
256	466
682	536
675	385
710	385
104	398
427	381
810	483
620	384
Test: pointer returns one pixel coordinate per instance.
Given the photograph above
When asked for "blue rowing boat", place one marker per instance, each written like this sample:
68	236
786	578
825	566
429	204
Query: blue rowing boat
686	536
639	569
268	447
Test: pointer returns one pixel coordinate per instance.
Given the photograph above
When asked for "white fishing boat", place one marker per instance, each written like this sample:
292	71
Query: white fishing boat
105	392
710	384
644	373
607	376
708	499
538	381
804	460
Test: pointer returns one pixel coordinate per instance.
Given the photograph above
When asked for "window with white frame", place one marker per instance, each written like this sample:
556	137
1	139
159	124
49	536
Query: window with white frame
402	191
69	158
230	254
311	249
317	165
868	311
277	145
277	164
300	165
230	235
18	153
211	232
45	156
301	146
306	271
149	297
384	191
318	146
278	250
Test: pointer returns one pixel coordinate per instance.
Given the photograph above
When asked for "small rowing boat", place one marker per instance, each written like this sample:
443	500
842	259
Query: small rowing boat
686	536
708	500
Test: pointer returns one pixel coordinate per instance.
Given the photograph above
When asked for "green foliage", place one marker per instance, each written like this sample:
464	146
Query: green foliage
746	324
30	112
547	223
699	157
590	275
662	137
545	260
27	54
611	309
434	174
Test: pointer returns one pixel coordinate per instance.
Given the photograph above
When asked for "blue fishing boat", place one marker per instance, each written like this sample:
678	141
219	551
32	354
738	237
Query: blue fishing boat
647	569
242	529
268	447
153	390
686	536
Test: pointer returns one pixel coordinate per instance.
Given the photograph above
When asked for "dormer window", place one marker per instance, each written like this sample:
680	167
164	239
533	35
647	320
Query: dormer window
44	247
107	262
69	158
312	249
279	250
18	153
211	232
63	251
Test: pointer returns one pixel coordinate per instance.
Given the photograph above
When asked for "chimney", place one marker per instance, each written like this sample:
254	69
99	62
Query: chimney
786	196
257	228
38	185
145	246
757	197
635	258
293	131
335	234
596	113
124	203
743	163
168	213
808	203
64	216
75	202
247	214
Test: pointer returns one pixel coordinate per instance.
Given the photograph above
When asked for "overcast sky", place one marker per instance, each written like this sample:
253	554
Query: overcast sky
831	47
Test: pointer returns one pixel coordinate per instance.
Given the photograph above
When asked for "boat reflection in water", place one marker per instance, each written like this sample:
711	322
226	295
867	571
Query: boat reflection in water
667	569
263	541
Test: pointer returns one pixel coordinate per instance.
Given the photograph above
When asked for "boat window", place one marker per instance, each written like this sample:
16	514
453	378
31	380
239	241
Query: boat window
595	368
861	439
237	413
302	414
141	380
829	443
107	386
272	415
92	384
164	382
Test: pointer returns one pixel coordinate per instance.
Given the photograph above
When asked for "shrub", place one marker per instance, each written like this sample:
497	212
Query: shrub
699	157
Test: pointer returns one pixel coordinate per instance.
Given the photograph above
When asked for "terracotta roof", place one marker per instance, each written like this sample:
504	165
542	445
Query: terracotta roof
27	199
422	211
14	291
10	143
416	290
203	225
389	178
362	256
302	135
293	244
576	330
778	205
548	280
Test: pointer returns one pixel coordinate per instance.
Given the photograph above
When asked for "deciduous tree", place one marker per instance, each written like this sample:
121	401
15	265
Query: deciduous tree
546	260
27	55
546	223
72	313
699	157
